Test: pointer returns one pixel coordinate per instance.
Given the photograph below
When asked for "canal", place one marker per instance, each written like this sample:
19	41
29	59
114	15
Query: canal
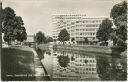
63	65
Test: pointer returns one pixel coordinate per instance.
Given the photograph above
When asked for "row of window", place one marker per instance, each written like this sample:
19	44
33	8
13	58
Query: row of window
85	64
86	69
81	25
88	29
90	61
82	56
68	18
82	38
84	33
83	21
86	73
89	21
93	29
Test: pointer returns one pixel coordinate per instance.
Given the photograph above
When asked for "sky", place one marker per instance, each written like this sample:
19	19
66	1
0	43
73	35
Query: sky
37	14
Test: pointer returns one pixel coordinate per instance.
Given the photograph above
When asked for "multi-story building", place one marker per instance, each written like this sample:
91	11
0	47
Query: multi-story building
78	26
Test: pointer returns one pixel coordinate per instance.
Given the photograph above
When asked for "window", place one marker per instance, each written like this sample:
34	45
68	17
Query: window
93	69
89	69
72	23
97	21
90	60
93	61
77	21
93	21
77	29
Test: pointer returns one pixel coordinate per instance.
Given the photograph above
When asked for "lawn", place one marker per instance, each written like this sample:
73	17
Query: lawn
17	65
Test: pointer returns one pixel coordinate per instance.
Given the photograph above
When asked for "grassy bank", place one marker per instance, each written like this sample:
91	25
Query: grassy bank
17	64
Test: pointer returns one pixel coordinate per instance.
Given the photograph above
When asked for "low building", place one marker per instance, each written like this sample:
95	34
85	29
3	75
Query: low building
30	41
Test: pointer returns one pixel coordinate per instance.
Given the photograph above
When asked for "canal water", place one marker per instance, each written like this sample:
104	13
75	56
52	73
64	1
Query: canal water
63	65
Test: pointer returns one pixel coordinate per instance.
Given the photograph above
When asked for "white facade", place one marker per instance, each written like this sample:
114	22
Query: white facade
78	26
30	38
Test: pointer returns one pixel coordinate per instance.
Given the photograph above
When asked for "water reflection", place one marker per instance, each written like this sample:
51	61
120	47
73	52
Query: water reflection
63	60
111	69
40	53
80	67
65	65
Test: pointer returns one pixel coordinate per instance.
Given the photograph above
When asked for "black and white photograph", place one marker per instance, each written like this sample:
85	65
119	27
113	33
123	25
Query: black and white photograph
63	40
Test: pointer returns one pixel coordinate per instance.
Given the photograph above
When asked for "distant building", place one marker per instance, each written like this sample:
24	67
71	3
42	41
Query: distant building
78	26
30	40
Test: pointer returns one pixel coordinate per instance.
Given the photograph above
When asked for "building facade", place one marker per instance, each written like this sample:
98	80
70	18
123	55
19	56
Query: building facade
78	26
30	41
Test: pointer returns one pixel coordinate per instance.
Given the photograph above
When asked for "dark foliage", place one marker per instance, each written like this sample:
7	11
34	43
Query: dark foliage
104	30
63	60
64	35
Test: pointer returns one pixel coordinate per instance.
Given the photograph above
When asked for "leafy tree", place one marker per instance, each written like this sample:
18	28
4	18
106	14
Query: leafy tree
49	39
8	23
63	60
19	30
118	10
119	15
40	53
12	26
109	69
21	35
104	30
72	39
40	38
64	36
103	68
113	37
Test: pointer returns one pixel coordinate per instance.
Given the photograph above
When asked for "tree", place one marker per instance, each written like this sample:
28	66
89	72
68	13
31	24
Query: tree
72	39
113	37
19	30
49	39
103	68
40	38
21	35
63	60
86	40
109	69
12	26
64	36
104	30
119	15
118	10
8	24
